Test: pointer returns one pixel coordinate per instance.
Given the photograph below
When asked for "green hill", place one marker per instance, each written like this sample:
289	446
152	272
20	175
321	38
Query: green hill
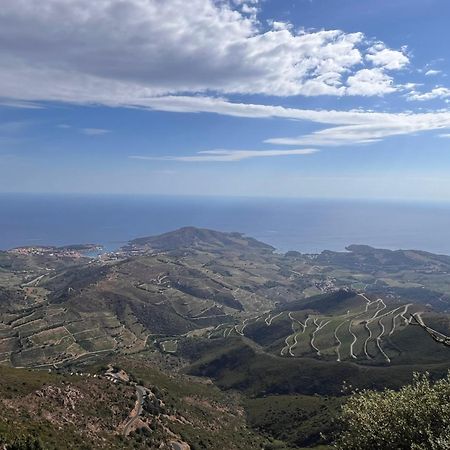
287	332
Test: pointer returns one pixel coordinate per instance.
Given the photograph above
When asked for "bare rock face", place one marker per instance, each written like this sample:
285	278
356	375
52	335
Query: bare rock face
177	445
67	397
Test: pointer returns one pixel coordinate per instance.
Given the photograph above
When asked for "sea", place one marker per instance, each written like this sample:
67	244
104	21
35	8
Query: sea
305	225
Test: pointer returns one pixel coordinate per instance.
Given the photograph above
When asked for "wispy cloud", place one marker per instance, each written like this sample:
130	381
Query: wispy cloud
85	131
228	155
348	135
432	72
94	131
352	127
439	92
19	104
164	172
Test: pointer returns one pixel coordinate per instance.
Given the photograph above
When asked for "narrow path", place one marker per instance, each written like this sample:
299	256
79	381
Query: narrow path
434	333
204	311
290	346
303	325
245	326
294	344
216	328
242	327
366	342
269	322
319	326
287	345
368	301
387	313
355	338
306	323
405	319
380	322
401	314
339	342
378	341
366	326
55	364
378	310
34	282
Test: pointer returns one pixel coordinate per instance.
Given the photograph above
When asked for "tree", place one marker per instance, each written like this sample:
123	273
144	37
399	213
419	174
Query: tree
417	417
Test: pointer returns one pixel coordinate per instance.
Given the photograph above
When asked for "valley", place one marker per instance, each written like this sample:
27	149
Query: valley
225	309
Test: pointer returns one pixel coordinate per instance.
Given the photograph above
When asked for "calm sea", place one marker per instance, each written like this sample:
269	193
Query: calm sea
304	225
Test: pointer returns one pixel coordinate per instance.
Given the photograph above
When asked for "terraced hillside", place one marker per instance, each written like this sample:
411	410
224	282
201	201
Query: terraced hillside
289	331
57	307
344	326
85	308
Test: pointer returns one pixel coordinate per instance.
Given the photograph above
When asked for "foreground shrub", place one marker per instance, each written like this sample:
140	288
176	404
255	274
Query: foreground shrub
417	417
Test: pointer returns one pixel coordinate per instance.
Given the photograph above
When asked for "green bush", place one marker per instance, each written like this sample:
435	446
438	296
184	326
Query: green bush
417	417
21	443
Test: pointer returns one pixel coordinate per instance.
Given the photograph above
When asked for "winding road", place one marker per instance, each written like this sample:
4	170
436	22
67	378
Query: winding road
137	410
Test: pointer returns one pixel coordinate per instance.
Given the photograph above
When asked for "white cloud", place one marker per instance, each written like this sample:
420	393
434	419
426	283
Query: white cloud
432	72
94	131
122	52
215	105
369	82
19	104
86	131
245	2
350	134
438	92
279	26
228	155
252	10
352	127
380	56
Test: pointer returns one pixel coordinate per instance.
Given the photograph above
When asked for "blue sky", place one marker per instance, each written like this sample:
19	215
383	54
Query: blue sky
289	98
